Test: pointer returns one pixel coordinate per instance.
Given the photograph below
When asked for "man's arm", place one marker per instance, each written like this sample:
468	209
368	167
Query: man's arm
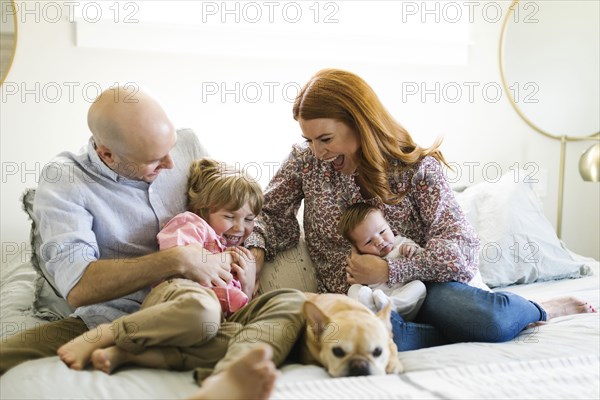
109	279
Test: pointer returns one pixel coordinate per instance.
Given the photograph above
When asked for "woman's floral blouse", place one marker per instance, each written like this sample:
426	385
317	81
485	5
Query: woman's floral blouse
428	214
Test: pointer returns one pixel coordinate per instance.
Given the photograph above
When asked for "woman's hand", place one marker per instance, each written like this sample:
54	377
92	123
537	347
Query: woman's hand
244	266
366	269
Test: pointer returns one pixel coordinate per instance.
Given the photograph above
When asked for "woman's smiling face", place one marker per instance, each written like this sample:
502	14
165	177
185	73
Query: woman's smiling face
332	141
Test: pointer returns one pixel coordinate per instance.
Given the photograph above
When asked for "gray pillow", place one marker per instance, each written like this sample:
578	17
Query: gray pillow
48	304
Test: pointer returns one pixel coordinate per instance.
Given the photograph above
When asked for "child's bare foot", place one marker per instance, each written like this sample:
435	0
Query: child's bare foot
252	376
566	305
109	359
76	353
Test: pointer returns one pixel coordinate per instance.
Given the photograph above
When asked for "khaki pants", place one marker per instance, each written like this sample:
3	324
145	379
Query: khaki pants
41	341
176	313
183	320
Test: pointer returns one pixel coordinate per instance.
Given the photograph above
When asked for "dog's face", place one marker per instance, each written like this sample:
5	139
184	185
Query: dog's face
348	339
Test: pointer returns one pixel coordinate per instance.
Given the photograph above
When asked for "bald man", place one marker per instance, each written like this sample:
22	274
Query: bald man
99	220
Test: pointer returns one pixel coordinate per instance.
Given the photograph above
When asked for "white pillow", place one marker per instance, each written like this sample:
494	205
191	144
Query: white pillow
518	242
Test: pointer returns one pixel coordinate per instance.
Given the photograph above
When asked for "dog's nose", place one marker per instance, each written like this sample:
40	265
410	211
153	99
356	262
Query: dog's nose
358	368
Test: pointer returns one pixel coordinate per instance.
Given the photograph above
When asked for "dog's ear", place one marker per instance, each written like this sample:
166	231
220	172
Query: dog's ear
384	314
315	318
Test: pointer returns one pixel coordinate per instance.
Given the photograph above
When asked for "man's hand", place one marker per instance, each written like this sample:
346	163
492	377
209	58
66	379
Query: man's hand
128	275
200	265
366	269
244	265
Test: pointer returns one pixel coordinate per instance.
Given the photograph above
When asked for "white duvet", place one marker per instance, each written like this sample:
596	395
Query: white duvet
556	360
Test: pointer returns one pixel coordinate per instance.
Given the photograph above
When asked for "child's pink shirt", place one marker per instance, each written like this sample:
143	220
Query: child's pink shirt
187	228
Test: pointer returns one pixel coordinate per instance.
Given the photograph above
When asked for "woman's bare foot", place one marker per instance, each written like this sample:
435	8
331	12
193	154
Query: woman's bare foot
76	353
252	376
566	305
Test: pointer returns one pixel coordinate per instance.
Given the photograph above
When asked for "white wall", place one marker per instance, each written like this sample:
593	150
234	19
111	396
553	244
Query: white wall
33	130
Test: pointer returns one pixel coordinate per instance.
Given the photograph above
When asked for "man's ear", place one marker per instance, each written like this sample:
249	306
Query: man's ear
105	155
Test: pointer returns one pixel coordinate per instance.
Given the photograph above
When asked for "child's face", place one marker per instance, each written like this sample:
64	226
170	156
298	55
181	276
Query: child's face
234	226
373	235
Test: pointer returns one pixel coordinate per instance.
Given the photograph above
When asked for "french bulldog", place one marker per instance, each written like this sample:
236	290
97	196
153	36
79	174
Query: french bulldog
347	338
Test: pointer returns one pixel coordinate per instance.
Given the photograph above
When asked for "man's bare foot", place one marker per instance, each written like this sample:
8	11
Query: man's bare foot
252	376
76	353
566	305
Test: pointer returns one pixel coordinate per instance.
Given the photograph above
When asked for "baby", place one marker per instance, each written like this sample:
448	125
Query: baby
365	227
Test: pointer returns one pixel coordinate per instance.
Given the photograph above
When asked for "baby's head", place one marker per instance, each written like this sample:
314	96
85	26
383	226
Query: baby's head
365	227
224	197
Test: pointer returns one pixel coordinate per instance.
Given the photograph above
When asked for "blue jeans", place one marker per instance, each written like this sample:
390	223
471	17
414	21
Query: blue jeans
456	312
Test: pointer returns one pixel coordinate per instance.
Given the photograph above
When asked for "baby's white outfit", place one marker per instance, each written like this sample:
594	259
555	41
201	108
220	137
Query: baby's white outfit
406	298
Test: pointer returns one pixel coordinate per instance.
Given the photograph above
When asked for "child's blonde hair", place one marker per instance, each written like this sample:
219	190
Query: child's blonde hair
213	185
352	216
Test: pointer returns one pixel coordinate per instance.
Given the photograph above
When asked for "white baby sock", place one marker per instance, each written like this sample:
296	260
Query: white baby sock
363	294
380	299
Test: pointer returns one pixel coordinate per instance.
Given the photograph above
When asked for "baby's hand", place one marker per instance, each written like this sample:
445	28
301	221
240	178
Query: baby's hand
408	250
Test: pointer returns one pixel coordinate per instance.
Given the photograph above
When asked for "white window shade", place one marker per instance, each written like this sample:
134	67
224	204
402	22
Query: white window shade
395	32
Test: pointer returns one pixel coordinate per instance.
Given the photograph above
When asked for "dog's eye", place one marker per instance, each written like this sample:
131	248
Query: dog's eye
377	352
338	352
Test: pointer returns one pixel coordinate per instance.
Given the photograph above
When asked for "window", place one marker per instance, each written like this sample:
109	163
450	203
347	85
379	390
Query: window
391	32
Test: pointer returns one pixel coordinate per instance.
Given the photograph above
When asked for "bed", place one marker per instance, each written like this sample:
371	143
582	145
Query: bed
520	253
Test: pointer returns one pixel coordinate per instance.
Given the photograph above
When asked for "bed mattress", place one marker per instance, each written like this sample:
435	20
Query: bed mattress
557	360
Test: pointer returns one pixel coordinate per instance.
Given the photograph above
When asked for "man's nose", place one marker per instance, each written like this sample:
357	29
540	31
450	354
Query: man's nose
167	162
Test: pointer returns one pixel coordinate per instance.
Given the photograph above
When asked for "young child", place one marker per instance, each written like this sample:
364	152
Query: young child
223	204
213	205
365	227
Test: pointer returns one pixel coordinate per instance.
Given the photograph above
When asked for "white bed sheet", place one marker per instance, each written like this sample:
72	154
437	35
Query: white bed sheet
565	344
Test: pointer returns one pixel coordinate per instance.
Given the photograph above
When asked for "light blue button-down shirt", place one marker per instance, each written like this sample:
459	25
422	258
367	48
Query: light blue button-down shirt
87	212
